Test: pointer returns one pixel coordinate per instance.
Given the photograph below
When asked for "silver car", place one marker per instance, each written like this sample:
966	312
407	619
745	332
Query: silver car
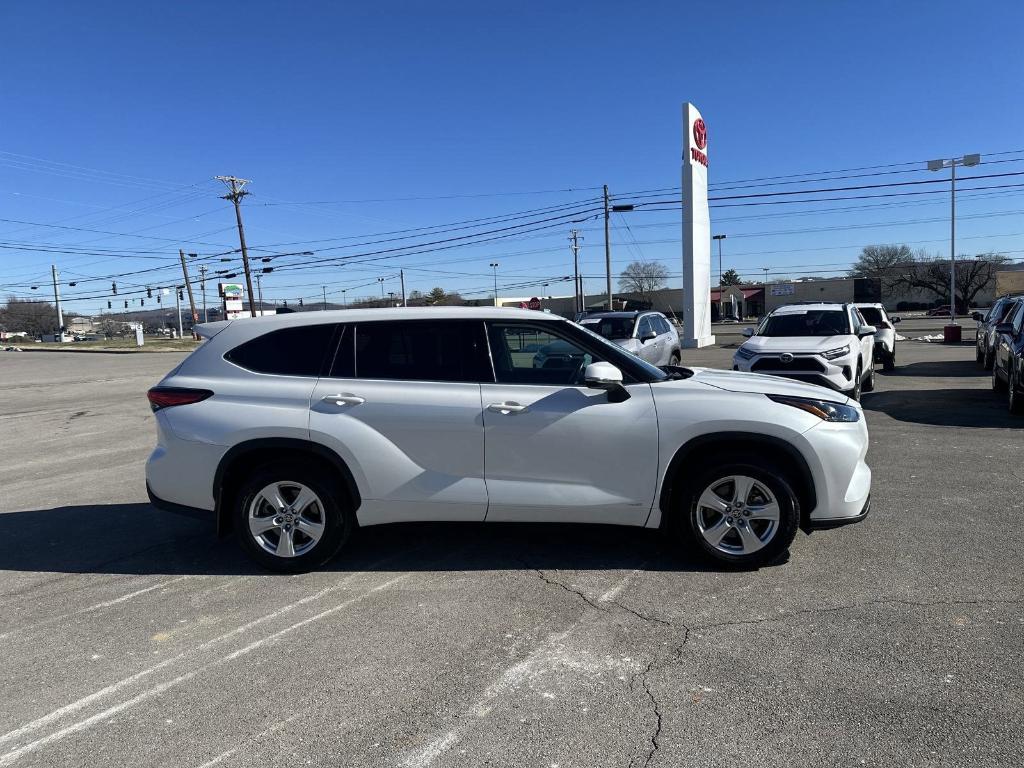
648	335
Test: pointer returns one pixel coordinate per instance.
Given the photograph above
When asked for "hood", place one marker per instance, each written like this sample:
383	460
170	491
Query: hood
795	343
757	383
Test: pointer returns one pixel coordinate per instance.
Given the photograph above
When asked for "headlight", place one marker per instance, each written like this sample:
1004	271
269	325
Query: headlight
823	409
832	354
745	353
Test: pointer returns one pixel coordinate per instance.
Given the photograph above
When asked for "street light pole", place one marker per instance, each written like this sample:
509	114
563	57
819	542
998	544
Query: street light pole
494	267
324	288
721	298
381	281
937	165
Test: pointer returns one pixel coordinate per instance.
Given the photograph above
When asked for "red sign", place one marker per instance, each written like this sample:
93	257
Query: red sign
534	303
700	133
699	156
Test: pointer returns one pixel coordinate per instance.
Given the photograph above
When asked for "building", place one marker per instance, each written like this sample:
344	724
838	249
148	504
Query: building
737	301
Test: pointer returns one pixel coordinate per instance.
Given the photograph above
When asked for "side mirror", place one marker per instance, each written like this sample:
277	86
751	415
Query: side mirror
748	332
867	330
977	317
648	336
1004	328
895	320
607	377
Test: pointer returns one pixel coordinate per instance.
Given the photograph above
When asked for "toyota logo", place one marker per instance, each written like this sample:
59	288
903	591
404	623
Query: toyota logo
786	357
700	133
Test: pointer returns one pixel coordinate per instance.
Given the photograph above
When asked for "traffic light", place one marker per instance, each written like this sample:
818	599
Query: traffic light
142	302
267	270
72	285
181	297
113	288
108	305
300	302
126	303
149	293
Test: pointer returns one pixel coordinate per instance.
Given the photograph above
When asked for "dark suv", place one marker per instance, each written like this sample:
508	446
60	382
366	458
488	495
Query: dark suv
1008	356
985	334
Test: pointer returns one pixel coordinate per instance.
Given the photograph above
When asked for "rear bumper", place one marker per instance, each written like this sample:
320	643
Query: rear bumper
837	522
179	509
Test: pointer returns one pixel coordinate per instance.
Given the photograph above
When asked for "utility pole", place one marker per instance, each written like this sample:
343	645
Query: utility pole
259	289
202	287
344	298
177	305
401	275
494	267
56	300
188	285
574	238
324	288
607	250
237	187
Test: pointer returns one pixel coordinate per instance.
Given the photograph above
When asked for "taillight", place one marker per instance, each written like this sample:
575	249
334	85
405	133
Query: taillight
165	397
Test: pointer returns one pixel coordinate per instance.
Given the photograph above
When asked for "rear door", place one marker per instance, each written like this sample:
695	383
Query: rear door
401	405
557	450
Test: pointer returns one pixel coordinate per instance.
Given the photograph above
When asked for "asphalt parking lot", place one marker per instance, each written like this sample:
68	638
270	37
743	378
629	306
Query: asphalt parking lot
134	637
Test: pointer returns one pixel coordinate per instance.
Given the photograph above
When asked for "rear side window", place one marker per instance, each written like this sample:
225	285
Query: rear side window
437	350
298	351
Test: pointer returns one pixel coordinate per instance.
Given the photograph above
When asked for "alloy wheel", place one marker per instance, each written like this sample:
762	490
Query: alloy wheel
737	515
286	519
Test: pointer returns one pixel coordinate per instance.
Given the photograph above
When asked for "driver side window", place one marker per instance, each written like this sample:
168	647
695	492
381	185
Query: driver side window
645	328
530	354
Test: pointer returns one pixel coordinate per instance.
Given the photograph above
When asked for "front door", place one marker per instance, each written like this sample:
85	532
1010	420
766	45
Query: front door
555	449
401	406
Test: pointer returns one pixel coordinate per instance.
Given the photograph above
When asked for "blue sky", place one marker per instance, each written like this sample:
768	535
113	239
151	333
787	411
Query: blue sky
117	115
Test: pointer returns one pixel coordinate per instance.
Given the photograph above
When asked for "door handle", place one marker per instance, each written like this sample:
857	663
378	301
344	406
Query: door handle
344	399
506	408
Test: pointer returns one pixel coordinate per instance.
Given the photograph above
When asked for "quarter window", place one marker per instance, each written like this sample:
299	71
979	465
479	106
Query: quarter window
298	351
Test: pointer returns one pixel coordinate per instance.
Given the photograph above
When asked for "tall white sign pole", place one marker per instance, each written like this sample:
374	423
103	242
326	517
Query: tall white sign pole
696	232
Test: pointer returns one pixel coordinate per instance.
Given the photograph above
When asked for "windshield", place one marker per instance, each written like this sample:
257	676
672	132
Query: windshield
614	352
813	322
873	316
610	327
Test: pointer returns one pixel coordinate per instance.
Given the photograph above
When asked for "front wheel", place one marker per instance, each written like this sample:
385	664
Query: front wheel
998	385
854	394
1016	401
291	518
675	359
741	514
889	360
869	382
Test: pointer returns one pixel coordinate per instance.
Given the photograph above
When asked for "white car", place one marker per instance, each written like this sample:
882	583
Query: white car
648	335
294	429
828	344
885	332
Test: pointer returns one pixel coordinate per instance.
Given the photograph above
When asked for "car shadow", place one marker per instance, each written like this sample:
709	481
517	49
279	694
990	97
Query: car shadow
940	368
945	407
139	539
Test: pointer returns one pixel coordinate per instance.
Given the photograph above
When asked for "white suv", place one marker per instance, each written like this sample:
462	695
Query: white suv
648	335
821	343
292	430
885	332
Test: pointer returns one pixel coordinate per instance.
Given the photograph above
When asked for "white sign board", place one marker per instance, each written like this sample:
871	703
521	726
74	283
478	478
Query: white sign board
140	340
783	290
696	232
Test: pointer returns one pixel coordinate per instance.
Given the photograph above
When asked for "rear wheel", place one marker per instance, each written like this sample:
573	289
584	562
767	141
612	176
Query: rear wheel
741	514
291	518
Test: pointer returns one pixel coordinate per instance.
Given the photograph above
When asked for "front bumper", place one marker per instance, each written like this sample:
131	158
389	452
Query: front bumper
837	375
824	523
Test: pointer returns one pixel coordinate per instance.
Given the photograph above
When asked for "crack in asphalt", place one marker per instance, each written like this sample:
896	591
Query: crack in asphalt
642	616
657	714
572	590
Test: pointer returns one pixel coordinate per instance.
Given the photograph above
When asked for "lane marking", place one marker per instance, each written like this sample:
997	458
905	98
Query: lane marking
129	596
255	737
63	733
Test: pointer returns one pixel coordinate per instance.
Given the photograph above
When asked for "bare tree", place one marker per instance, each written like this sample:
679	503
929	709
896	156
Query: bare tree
29	315
643	277
890	263
973	275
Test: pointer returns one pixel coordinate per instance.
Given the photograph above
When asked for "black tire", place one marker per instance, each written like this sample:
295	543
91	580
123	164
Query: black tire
335	514
854	394
869	381
998	385
685	526
1015	400
889	360
675	359
990	359
979	355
